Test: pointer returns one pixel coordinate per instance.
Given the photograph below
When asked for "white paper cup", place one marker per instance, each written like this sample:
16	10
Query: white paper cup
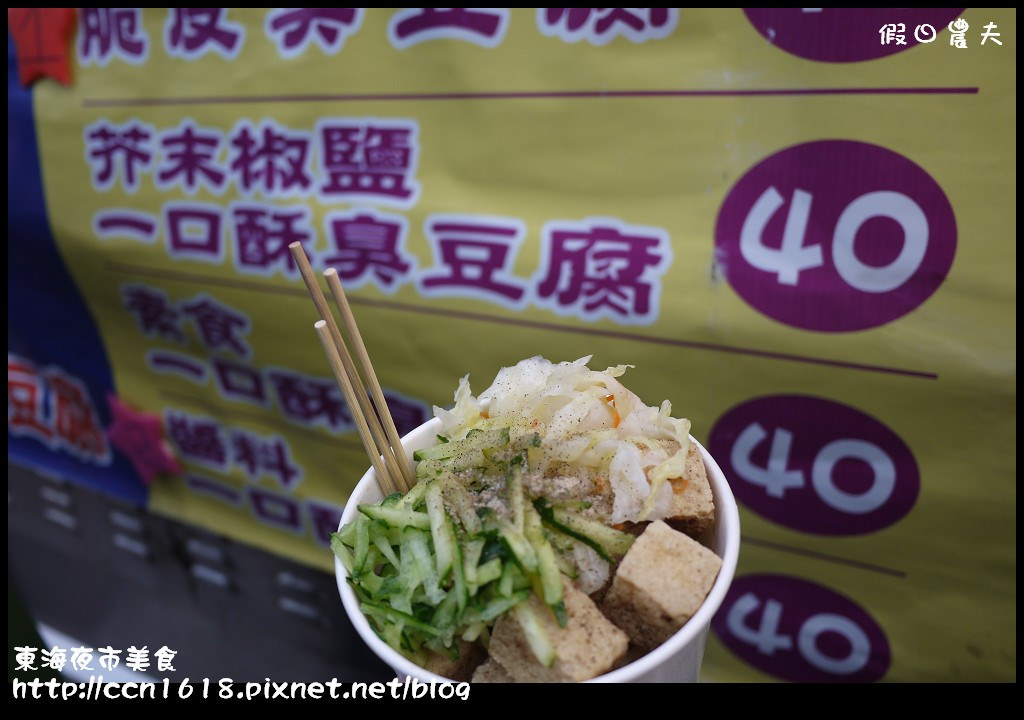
676	660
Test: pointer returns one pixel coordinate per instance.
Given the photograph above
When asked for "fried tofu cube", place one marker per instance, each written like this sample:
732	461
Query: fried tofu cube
491	672
693	505
659	584
586	647
460	668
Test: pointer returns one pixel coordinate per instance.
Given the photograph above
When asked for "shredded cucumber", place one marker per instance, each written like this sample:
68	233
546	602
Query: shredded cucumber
548	583
537	637
607	541
490	570
441	531
473	442
430	569
434	566
396	517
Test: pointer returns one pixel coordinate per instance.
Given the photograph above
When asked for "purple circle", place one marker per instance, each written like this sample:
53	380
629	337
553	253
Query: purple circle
815	465
846	34
798	630
835	236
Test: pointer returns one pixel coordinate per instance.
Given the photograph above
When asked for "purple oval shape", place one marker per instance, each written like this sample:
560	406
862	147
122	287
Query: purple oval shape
798	630
835	236
815	465
848	34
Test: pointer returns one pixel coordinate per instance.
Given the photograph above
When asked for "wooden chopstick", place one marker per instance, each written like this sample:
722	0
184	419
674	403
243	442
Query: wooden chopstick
384	480
354	336
375	442
358	402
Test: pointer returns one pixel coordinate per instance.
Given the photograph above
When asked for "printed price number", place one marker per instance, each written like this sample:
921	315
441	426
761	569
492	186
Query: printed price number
793	256
776	479
816	465
801	631
835	236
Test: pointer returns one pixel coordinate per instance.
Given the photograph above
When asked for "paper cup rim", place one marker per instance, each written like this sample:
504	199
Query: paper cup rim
726	529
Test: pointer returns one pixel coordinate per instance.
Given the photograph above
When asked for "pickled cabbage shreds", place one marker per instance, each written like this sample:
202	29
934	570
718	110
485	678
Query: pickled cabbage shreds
595	435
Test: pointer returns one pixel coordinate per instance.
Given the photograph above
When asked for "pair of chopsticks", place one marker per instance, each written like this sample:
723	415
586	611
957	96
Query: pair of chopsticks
372	418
